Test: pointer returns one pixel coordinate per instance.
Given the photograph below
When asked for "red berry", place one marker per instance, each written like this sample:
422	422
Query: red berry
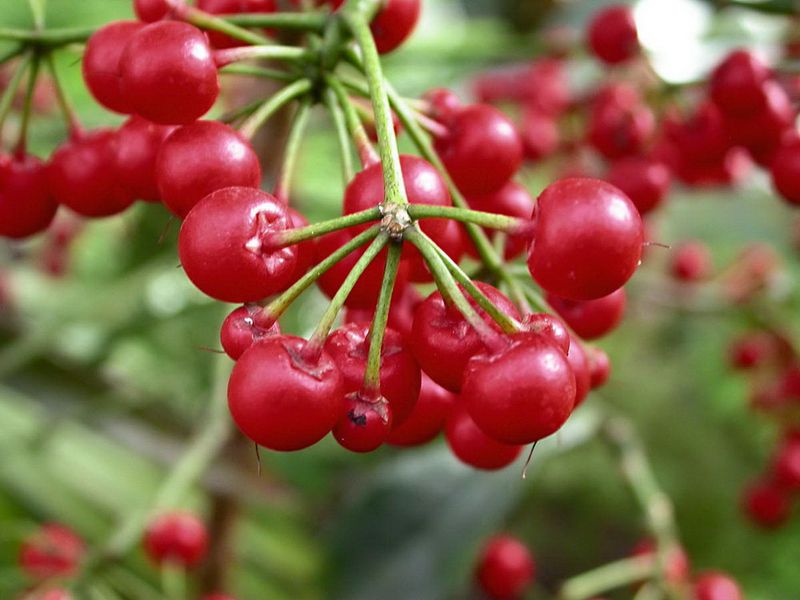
82	175
218	597
763	132
701	137
751	350
443	342
505	568
348	346
282	399
618	129
401	312
691	261
201	158
512	200
473	447
26	204
785	171
366	423
223	245
612	34
239	331
138	142
101	64
168	73
150	10
427	419
581	369
176	538
713	585
394	22
305	250
539	134
481	150
786	463
442	103
644	180
587	241
677	562
232	7
736	83
521	393
599	367
549	326
591	319
766	504
54	550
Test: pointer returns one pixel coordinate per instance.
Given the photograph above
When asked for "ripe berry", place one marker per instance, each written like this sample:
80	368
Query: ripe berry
26	204
223	245
691	261
713	585
644	180
168	73
736	83
53	550
427	419
549	326
587	241
521	393
481	150
701	137
348	346
442	103
581	369
282	399
617	129
394	22
505	568
539	134
401	312
232	7
82	175
591	319
785	171
473	447
786	463
612	34
366	423
201	158
305	250
101	64
599	367
763	132
443	342
138	142
178	538
677	566
512	200
149	11
751	350
766	504
239	331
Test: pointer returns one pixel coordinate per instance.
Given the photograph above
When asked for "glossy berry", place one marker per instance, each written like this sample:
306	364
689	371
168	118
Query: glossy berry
239	331
786	463
26	204
82	175
766	504
149	11
201	158
473	447
443	342
539	134
512	200
400	380
549	326
101	64
785	171
644	180
587	239
522	393
736	83
177	538
138	143
283	399
713	585
427	419
617	129
481	150
599	367
168	73
232	7
505	568
394	22
581	368
366	423
591	319
691	261
763	132
612	34
223	245
53	550
442	103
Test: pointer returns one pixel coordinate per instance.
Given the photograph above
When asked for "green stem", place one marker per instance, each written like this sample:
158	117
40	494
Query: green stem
608	577
355	18
256	71
243	111
204	20
7	99
271	106
301	234
466	215
372	373
38	11
276	308
47	37
71	118
33	76
337	116
173	581
270	51
292	150
366	152
302	21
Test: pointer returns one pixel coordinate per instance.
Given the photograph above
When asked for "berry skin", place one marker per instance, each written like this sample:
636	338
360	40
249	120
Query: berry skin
394	23
539	134
766	504
82	175
481	149
222	245
751	350
591	319
138	142
401	312
443	342
549	326
612	34
581	369
427	419
736	83
512	200
587	241
239	331
521	393
400	380
691	262
168	73
305	250
599	369
763	132
149	11
26	204
232	7
101	64
54	550
473	447
442	103
283	400
618	129
713	585
178	538
786	463
365	425
201	158
644	180
505	568
785	171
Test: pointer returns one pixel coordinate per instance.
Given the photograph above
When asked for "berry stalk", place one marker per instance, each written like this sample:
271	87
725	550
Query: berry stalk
47	37
299	21
467	215
257	71
366	151
294	90
342	136
290	154
70	116
269	51
7	99
301	234
608	577
33	75
204	20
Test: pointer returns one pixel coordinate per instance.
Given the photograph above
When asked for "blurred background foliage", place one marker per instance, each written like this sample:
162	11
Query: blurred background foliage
105	375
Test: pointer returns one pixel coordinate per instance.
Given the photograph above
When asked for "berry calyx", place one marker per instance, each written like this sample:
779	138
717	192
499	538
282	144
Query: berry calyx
366	423
505	568
178	538
473	447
